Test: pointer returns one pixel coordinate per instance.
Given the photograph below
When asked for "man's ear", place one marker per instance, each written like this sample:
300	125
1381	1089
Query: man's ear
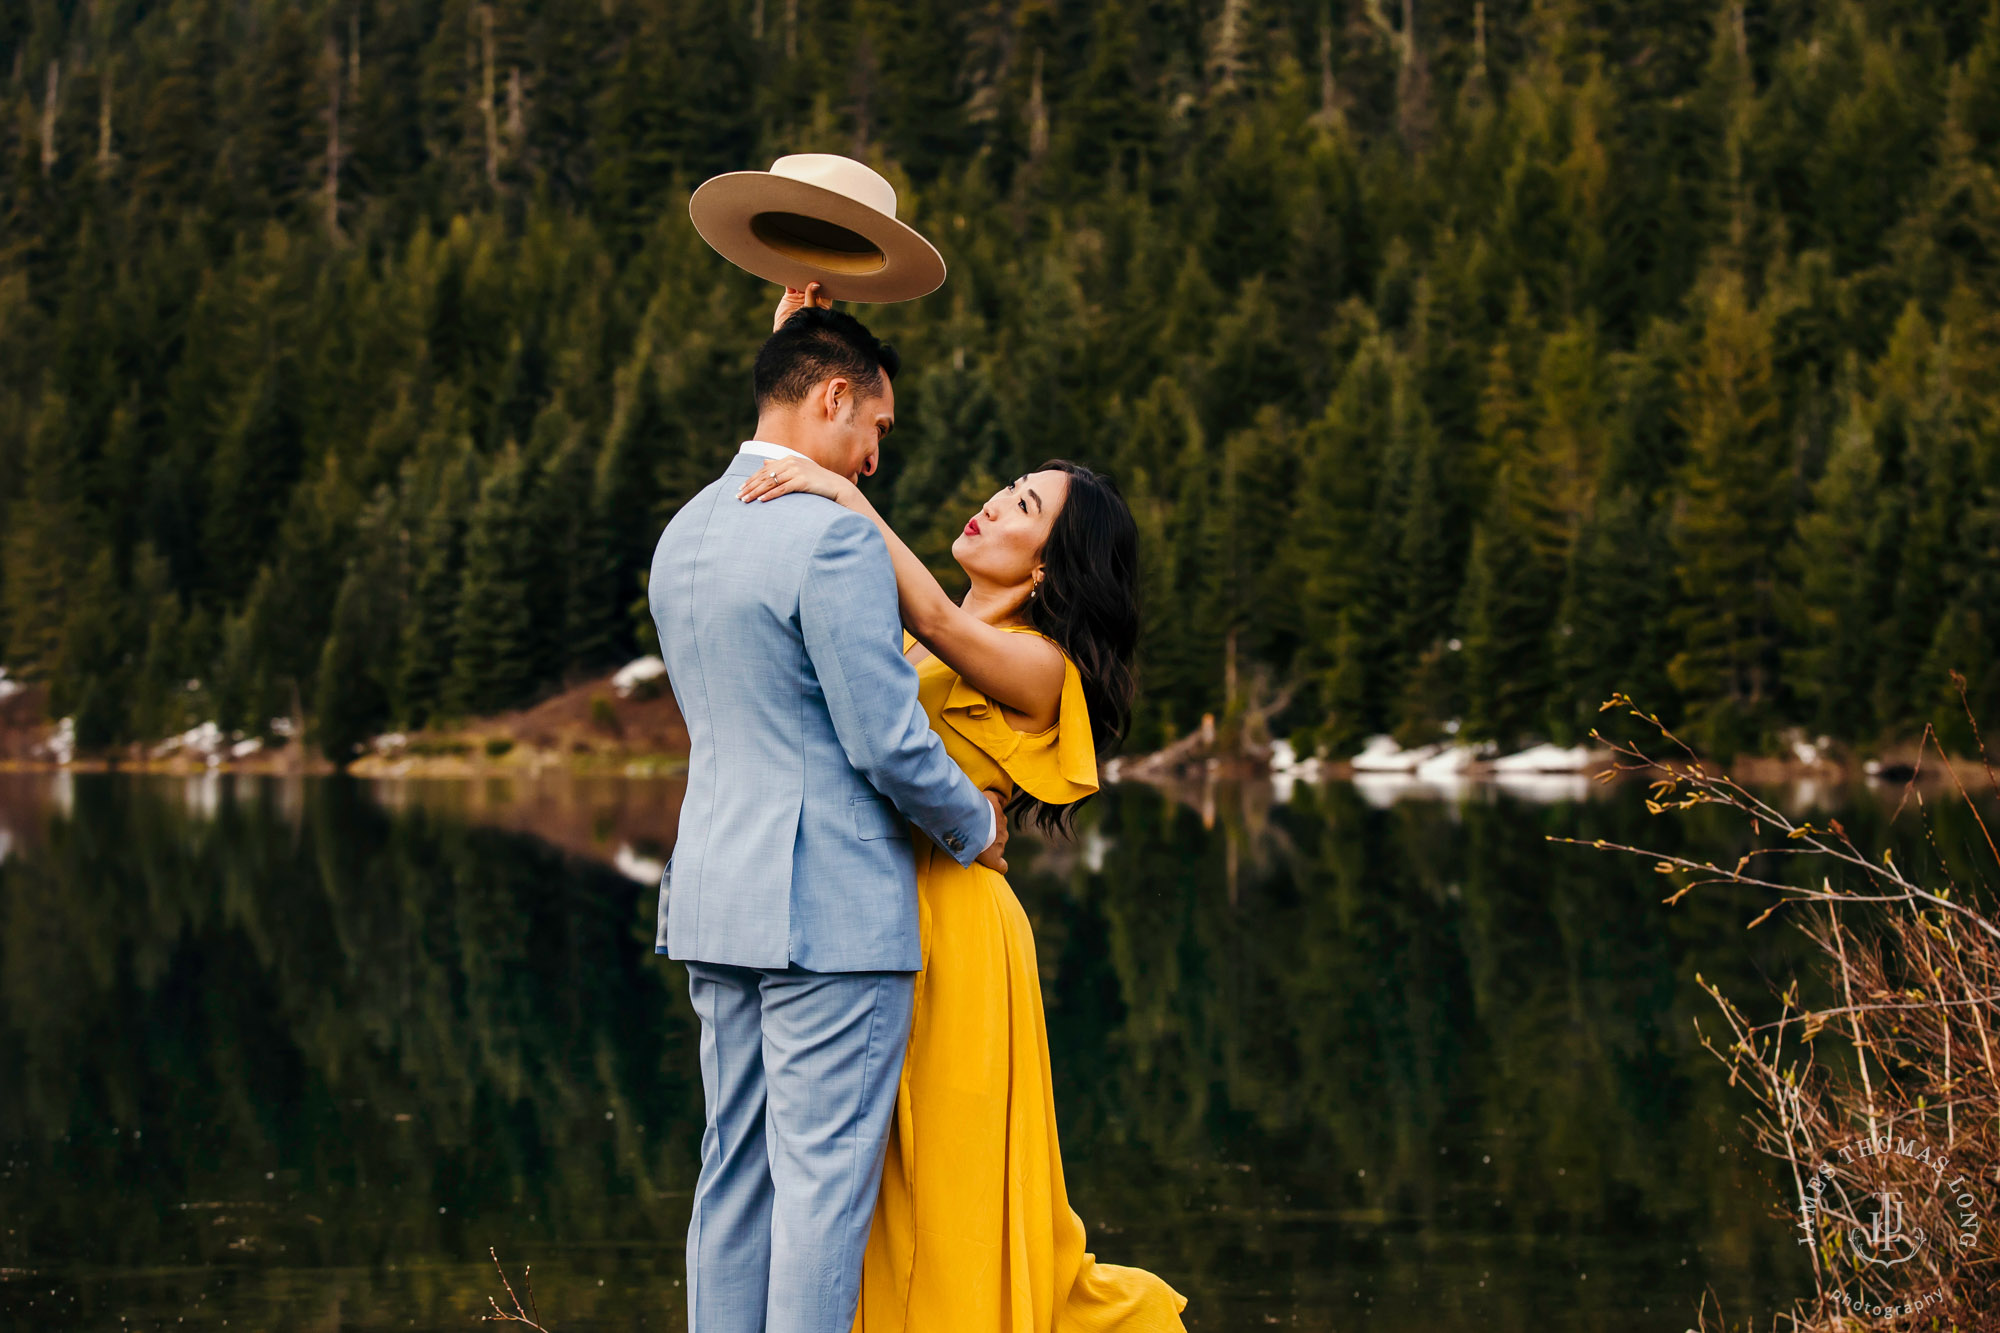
835	397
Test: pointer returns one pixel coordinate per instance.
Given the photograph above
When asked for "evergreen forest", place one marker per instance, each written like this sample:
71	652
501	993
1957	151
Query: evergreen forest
1463	362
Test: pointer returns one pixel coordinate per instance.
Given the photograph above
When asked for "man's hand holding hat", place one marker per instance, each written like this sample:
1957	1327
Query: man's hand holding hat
795	300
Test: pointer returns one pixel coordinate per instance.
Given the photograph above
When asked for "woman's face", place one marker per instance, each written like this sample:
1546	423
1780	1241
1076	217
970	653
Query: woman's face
1002	544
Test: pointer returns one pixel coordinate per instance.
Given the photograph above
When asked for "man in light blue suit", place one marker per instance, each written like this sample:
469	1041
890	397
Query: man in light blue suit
791	892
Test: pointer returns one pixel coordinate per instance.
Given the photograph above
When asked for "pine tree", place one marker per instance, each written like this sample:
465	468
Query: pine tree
430	628
157	680
272	105
1163	425
1341	579
44	546
1611	631
559	521
1421	524
493	664
1731	527
1508	612
92	674
1347	714
1927	478
356	674
1565	450
250	690
1833	665
349	703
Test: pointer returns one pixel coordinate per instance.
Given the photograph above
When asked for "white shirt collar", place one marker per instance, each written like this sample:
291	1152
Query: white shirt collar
765	449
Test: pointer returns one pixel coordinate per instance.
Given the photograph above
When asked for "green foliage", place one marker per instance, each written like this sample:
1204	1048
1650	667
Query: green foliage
1647	349
604	715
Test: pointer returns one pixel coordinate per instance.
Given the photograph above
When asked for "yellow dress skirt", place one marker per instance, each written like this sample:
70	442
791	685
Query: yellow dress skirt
973	1230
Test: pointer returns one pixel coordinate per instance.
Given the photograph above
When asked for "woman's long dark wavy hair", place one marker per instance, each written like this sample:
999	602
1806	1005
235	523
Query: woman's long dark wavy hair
1088	603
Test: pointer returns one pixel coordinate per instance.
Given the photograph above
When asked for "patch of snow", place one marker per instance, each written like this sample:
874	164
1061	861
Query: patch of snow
389	742
1383	755
1805	753
1546	759
1448	763
207	743
635	673
1287	768
280	726
9	688
1872	767
633	866
204	739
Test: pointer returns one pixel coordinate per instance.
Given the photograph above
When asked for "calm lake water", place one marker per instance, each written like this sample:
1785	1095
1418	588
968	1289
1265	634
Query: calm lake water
291	1055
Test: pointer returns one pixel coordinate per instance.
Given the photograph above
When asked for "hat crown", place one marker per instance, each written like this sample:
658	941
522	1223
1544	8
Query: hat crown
842	175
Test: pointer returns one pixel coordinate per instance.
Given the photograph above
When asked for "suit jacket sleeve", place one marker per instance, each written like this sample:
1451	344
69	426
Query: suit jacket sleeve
853	631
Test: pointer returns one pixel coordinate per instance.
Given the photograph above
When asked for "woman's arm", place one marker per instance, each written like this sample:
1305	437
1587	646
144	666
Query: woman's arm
1023	673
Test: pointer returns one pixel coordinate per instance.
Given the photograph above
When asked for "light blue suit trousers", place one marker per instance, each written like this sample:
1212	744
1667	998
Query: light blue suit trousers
791	1157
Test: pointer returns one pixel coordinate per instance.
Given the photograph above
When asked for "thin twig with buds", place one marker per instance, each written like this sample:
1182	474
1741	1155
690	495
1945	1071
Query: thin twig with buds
528	1315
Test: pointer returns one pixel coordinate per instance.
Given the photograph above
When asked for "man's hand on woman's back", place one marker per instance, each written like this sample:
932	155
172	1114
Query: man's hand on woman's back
995	856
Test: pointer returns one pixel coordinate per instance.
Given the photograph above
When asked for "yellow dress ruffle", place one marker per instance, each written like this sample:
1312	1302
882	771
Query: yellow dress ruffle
973	1230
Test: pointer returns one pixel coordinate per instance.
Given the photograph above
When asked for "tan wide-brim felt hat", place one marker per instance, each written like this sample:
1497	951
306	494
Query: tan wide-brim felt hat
817	217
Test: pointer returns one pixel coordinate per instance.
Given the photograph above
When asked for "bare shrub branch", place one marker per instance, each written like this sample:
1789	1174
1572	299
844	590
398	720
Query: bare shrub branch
1917	967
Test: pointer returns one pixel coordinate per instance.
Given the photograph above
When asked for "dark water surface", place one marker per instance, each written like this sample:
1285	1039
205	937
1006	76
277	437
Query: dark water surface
283	1055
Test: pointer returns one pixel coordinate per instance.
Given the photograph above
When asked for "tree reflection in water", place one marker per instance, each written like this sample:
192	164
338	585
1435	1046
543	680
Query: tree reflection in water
274	1053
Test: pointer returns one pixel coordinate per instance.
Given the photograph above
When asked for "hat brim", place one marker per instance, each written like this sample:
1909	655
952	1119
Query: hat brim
790	232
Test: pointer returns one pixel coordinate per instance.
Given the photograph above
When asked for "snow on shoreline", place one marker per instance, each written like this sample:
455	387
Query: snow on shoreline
635	673
1385	772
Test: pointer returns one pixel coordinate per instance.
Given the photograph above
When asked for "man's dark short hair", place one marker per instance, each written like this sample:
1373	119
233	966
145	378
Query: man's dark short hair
814	346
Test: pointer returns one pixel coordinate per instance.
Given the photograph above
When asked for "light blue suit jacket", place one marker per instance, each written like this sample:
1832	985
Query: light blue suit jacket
809	754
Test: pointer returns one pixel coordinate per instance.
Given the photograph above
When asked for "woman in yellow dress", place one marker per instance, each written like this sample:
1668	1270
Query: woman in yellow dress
1024	682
